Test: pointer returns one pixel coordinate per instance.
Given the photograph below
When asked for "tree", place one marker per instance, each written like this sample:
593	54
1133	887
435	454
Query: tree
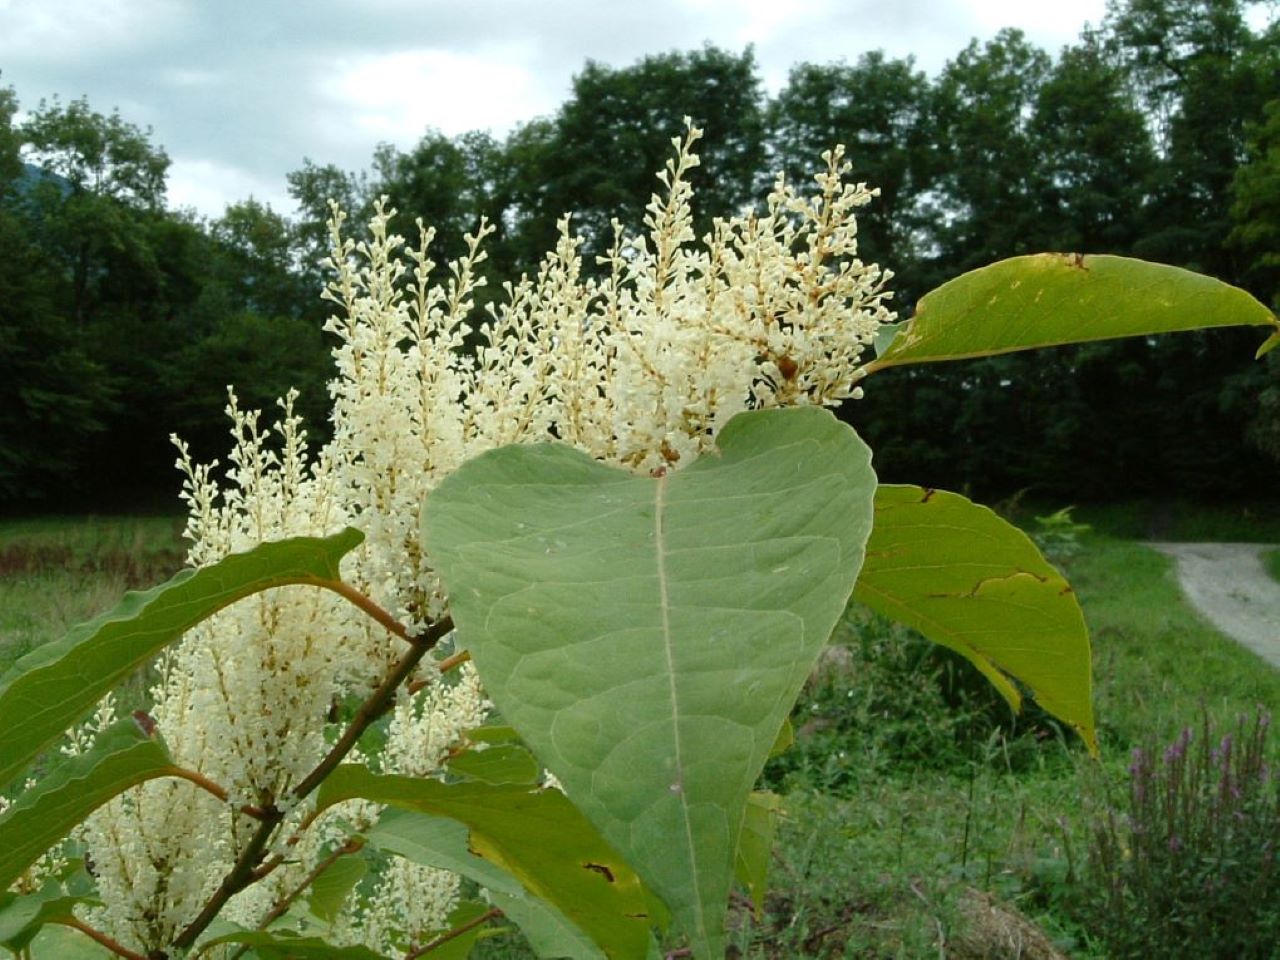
450	184
1190	62
1094	153
614	133
255	260
102	176
312	187
985	151
10	141
55	396
1255	207
1255	214
256	324
876	108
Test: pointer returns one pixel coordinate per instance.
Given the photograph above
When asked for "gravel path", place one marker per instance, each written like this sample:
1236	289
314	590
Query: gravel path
1227	583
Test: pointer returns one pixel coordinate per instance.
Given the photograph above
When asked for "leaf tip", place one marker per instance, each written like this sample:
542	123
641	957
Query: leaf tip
1269	344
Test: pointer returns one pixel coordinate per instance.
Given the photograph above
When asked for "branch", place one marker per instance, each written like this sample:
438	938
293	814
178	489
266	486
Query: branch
444	666
367	605
455	661
281	906
453	934
245	870
119	949
238	877
375	706
208	786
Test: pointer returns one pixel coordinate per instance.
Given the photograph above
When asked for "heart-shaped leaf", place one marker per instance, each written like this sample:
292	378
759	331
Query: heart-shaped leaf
647	637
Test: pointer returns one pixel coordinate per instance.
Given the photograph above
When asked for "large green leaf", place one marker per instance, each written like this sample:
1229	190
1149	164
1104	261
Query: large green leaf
123	756
1054	298
968	580
648	636
281	945
54	686
443	843
23	915
330	891
536	835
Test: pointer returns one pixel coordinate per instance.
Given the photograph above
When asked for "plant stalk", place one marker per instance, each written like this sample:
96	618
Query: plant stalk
453	934
245	870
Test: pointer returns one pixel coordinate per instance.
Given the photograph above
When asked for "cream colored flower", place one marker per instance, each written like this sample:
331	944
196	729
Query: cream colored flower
639	366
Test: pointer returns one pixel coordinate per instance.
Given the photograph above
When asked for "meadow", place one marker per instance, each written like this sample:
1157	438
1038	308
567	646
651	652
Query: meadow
921	818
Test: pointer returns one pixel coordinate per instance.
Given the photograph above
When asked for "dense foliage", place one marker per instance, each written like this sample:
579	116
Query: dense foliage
1154	135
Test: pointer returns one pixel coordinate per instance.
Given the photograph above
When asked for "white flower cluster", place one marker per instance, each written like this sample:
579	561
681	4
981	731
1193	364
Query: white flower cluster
639	366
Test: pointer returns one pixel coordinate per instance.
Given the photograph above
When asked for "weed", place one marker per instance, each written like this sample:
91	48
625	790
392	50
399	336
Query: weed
884	698
1189	867
1058	536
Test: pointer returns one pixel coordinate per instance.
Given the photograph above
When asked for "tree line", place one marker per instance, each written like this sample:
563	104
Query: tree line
1156	134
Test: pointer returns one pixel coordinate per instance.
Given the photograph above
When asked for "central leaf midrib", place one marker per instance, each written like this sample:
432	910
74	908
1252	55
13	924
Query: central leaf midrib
660	546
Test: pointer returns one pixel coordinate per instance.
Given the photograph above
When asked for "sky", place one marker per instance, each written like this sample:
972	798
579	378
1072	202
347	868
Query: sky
239	92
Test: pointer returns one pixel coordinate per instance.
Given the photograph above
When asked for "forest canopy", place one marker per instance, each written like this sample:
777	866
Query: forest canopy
1156	135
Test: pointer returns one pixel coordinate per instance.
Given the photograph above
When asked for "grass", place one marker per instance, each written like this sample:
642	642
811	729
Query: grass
885	864
1179	520
57	572
909	788
1156	662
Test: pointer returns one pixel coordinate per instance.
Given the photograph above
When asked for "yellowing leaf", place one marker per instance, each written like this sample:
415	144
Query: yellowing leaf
970	581
1048	299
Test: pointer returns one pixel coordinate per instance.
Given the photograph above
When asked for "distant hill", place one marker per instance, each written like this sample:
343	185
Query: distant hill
32	175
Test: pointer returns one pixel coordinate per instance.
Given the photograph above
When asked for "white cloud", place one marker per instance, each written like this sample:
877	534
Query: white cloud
209	186
395	97
86	29
1050	24
240	91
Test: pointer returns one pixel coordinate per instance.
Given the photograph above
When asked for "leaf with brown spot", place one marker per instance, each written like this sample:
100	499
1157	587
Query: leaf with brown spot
532	834
1048	299
970	581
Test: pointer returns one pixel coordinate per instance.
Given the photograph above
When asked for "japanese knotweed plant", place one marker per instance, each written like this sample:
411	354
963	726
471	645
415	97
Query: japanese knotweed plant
529	626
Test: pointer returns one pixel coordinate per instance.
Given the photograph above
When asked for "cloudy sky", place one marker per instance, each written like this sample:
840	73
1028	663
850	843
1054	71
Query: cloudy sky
240	91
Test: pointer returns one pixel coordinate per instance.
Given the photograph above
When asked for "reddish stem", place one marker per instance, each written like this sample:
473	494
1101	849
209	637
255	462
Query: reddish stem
119	949
453	934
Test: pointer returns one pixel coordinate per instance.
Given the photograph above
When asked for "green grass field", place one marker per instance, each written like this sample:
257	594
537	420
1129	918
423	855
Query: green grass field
56	572
909	786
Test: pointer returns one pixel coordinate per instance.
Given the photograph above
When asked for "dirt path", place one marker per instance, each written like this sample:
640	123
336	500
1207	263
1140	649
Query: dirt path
1227	583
